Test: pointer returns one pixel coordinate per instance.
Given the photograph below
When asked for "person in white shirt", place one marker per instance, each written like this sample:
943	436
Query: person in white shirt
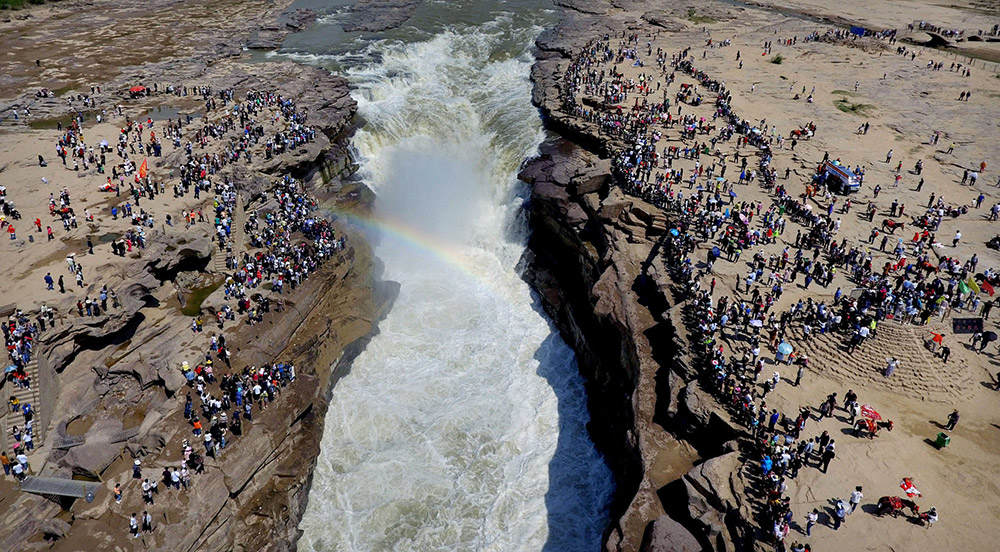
856	497
811	519
23	460
931	517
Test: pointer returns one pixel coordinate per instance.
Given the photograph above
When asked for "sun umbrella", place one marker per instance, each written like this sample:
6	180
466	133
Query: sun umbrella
989	336
785	348
674	232
715	251
137	89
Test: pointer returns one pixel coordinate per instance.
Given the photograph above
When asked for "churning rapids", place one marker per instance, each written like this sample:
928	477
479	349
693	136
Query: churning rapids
462	426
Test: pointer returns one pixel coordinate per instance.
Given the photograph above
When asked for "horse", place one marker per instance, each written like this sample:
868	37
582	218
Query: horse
890	225
872	427
893	505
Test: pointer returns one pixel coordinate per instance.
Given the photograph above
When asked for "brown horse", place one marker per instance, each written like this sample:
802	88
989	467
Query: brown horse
891	225
893	505
871	427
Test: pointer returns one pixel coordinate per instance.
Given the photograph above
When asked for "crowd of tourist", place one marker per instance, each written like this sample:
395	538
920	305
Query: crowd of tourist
268	253
705	213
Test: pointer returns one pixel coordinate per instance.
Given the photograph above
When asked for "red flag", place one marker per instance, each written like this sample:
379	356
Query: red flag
908	488
143	169
986	286
868	412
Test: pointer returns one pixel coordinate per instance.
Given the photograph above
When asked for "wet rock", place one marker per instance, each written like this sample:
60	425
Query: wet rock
271	35
379	15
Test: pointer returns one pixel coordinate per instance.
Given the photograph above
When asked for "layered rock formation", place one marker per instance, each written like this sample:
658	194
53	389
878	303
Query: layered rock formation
594	259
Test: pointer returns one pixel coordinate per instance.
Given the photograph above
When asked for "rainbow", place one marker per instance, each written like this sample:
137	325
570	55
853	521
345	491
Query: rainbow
418	240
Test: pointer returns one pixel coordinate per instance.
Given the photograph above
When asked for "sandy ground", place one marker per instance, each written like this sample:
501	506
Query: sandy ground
24	279
904	109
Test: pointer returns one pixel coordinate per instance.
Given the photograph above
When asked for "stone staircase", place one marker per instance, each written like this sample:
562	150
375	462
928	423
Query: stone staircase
237	239
919	375
26	396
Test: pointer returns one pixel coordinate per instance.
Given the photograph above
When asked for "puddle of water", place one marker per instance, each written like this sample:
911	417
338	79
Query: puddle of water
49	123
112	359
197	296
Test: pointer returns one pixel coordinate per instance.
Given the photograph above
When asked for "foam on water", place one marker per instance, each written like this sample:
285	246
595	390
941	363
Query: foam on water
461	427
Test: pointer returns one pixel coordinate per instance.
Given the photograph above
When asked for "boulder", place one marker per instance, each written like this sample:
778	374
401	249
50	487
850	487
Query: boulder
711	479
54	528
379	15
665	534
592	179
92	457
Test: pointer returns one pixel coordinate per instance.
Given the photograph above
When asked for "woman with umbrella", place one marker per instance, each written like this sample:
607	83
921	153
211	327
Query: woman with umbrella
784	350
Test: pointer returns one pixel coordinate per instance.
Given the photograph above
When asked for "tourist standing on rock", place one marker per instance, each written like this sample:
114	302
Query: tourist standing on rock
133	526
22	460
147	491
147	522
